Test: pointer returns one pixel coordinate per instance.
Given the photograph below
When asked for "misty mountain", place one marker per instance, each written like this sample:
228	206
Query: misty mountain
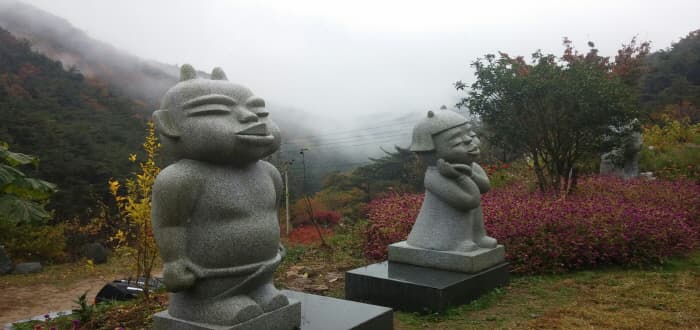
331	145
145	81
81	130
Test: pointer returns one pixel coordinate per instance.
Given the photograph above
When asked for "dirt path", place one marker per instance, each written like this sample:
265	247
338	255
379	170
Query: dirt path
22	302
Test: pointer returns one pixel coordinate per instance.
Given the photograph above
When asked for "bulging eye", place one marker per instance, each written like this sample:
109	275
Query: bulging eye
262	114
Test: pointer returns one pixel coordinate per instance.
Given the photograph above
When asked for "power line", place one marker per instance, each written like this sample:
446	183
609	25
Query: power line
324	139
354	140
333	133
344	146
330	167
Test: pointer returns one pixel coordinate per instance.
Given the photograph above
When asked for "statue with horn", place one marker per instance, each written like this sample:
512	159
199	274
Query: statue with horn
214	208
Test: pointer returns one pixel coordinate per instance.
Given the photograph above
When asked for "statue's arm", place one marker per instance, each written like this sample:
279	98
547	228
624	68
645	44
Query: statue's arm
480	178
460	192
173	198
276	180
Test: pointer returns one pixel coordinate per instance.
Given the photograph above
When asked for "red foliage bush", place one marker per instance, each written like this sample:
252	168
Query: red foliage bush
607	221
390	221
308	235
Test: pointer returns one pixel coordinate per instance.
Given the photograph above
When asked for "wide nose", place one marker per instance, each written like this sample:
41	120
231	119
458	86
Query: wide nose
246	116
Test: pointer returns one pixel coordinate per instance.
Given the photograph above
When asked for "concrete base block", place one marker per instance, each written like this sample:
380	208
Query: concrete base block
465	262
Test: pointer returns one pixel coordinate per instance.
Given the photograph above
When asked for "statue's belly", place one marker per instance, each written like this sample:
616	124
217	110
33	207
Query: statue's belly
232	242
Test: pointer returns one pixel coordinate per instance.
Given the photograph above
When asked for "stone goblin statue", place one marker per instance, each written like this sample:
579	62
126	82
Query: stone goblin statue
450	218
623	160
215	207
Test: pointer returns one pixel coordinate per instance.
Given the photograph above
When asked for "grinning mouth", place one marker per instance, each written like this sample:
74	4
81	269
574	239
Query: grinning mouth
474	151
259	129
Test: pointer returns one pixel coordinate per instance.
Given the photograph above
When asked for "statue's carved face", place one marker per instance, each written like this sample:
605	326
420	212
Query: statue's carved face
457	145
221	122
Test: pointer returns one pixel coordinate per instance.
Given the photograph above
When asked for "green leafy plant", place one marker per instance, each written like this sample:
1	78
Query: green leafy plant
21	197
84	311
22	210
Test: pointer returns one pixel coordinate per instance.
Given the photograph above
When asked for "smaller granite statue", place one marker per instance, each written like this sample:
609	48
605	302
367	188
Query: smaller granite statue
447	259
451	218
449	230
623	160
215	208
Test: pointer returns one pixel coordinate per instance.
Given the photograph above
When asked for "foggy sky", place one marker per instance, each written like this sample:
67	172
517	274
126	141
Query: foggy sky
352	59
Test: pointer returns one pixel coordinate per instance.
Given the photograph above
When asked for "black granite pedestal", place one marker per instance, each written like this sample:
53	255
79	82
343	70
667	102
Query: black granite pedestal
420	289
326	313
312	312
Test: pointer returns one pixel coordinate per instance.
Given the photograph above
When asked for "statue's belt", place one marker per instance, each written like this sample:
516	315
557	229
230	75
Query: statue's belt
243	270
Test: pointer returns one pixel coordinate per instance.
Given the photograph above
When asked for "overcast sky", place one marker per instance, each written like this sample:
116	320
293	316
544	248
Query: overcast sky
354	58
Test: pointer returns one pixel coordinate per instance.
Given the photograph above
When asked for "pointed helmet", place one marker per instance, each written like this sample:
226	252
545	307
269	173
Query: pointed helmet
434	123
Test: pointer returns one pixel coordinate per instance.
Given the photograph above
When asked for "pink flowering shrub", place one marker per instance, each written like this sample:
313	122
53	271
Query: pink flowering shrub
607	221
390	221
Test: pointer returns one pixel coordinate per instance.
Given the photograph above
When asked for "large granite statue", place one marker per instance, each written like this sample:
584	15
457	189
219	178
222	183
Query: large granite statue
215	208
623	160
451	219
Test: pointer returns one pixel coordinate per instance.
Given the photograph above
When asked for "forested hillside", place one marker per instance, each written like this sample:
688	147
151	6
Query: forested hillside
80	129
673	77
53	36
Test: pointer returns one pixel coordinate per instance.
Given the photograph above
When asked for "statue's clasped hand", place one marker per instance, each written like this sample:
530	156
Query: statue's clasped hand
178	276
453	171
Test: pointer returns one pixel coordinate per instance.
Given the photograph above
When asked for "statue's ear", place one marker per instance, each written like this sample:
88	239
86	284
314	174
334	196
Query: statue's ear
218	74
187	72
164	124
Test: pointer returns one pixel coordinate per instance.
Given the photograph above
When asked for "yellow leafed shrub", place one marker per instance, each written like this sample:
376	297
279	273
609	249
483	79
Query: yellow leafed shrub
134	202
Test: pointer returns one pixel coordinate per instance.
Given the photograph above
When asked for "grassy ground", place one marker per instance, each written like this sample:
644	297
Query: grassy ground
659	297
656	298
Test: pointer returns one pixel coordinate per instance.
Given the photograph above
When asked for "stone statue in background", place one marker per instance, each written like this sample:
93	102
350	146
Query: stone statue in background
214	208
451	219
623	160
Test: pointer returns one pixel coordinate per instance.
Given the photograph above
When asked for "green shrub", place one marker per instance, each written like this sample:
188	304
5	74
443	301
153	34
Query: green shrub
672	149
27	242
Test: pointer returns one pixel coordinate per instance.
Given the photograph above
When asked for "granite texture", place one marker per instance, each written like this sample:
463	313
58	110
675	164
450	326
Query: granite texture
275	320
214	208
458	261
420	289
450	218
326	313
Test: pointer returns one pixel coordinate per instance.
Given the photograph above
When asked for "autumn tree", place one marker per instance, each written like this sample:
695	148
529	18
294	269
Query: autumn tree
556	110
135	210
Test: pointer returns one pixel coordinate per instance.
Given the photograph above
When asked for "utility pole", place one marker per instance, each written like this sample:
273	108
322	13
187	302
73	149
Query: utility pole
303	164
307	201
284	166
286	197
